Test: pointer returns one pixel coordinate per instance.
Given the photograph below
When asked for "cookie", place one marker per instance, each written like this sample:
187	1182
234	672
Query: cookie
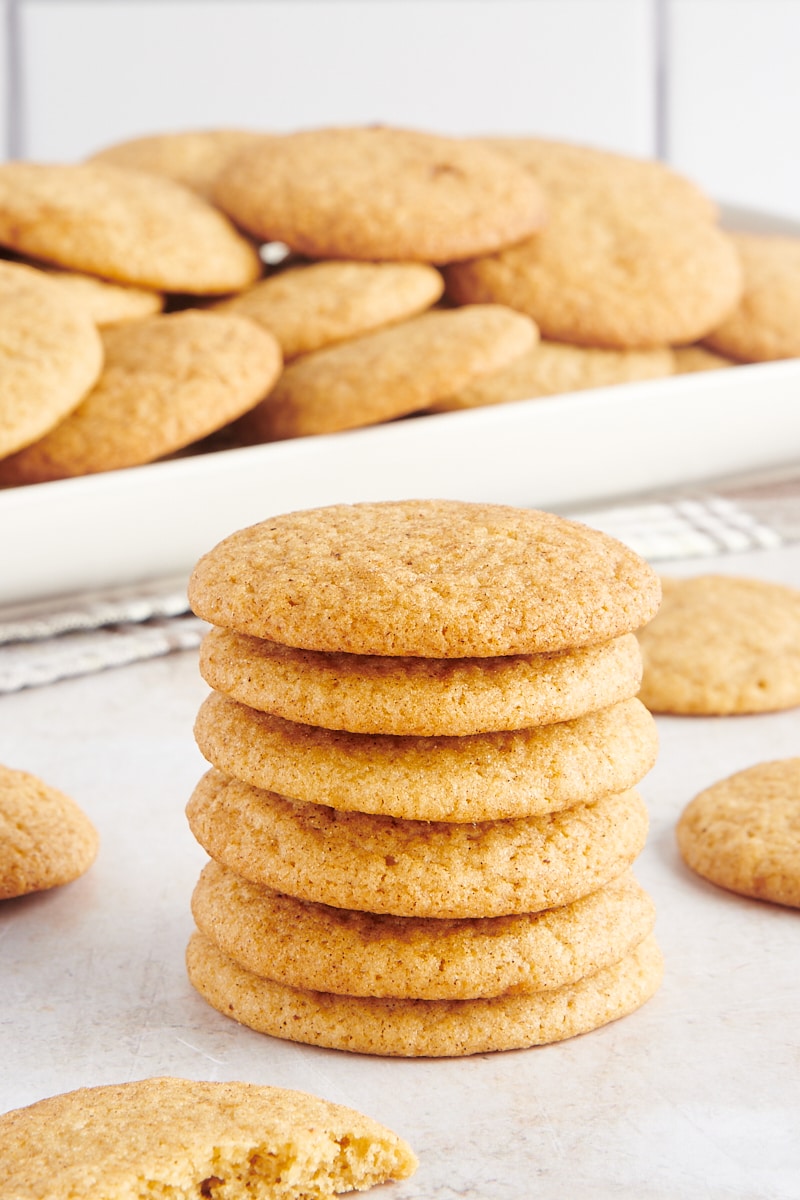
380	193
722	644
189	1137
416	868
423	1028
433	579
421	696
368	379
317	305
167	381
193	157
764	324
480	777
50	356
107	303
625	260
314	946
743	833
698	358
45	837
123	225
554	367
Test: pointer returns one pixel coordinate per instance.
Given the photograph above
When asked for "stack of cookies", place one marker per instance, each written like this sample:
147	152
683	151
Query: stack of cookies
424	741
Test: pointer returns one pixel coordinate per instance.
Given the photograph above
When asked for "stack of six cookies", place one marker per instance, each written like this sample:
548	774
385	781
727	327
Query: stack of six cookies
420	814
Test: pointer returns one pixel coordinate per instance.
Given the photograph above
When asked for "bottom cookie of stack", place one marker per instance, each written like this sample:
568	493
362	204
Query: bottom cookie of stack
424	1028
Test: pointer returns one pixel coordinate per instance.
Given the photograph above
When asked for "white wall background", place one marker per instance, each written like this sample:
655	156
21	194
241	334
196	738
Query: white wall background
713	86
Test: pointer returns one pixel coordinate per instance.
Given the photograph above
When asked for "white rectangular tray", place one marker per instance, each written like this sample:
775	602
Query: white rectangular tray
565	451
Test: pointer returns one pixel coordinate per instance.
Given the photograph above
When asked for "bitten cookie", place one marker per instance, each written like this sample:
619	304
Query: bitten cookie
166	382
743	833
189	1138
390	373
317	305
421	696
380	193
416	868
50	356
722	644
435	579
314	946
424	1028
481	777
765	324
123	225
45	838
629	257
552	368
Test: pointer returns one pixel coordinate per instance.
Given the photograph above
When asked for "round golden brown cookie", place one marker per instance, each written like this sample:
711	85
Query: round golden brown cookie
50	356
188	1137
424	1028
313	306
434	579
107	303
765	325
722	644
554	367
368	379
422	696
380	193
416	868
45	838
480	777
307	945
167	381
743	833
629	256
123	225
193	157
689	359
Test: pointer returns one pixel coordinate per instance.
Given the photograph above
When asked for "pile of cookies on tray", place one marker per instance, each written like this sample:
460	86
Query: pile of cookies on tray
421	813
222	288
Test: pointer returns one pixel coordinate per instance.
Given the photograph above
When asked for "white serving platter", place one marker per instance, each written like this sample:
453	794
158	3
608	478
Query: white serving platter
561	452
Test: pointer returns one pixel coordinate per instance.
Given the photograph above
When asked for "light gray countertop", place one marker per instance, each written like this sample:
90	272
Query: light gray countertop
695	1095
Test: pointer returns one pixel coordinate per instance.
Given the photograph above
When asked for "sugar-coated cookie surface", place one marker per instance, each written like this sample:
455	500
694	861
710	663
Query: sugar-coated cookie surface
429	578
424	1028
123	225
765	325
187	1139
416	868
50	356
551	368
422	696
368	379
478	777
743	833
629	256
699	358
166	382
379	193
308	945
722	644
193	157
318	304
107	303
46	839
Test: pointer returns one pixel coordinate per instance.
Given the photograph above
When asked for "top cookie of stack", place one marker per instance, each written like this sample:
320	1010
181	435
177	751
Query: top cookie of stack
424	719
